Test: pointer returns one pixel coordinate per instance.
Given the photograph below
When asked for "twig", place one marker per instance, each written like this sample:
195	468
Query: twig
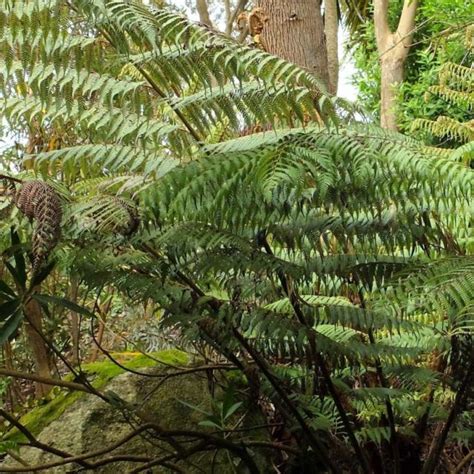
112	459
44	380
17	458
77	375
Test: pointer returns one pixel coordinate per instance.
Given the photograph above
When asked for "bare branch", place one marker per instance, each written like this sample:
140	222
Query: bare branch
44	380
382	28
203	11
406	25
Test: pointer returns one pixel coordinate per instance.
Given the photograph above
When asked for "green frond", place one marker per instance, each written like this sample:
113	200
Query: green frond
459	98
446	127
458	76
214	179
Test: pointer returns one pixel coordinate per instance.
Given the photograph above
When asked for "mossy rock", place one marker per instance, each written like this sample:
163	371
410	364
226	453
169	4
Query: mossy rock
100	374
81	423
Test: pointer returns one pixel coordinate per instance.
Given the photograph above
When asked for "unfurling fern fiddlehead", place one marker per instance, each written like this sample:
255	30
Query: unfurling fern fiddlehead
40	202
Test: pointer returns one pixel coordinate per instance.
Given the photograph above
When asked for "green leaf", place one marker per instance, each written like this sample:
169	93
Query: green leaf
6	290
12	322
47	299
8	308
231	410
15	275
8	446
210	424
194	407
20	265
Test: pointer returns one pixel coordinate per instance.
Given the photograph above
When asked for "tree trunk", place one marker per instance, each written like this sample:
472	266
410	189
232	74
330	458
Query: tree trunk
331	25
393	49
203	12
295	31
13	395
103	310
392	76
33	328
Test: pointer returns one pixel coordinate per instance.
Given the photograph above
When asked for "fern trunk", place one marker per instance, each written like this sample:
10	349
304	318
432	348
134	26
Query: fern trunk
41	359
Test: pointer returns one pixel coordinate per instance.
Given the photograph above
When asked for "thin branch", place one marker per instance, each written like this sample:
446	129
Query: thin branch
100	452
388	404
389	408
152	83
112	459
319	449
157	89
406	24
17	458
44	380
402	38
78	375
203	12
114	360
165	459
166	377
277	446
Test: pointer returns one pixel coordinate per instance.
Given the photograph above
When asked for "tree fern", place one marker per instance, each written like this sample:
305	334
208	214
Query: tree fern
303	254
455	87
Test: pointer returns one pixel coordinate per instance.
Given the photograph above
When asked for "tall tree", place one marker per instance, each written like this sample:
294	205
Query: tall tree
295	32
331	25
393	49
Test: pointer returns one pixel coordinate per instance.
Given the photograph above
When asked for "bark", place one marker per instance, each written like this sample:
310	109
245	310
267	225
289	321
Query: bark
331	25
203	12
13	395
295	32
103	312
393	49
392	76
39	349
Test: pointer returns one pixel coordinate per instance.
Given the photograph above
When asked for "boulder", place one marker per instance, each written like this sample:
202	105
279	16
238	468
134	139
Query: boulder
85	423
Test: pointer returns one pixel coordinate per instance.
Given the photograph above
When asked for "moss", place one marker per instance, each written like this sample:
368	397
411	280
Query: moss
43	415
100	373
106	370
